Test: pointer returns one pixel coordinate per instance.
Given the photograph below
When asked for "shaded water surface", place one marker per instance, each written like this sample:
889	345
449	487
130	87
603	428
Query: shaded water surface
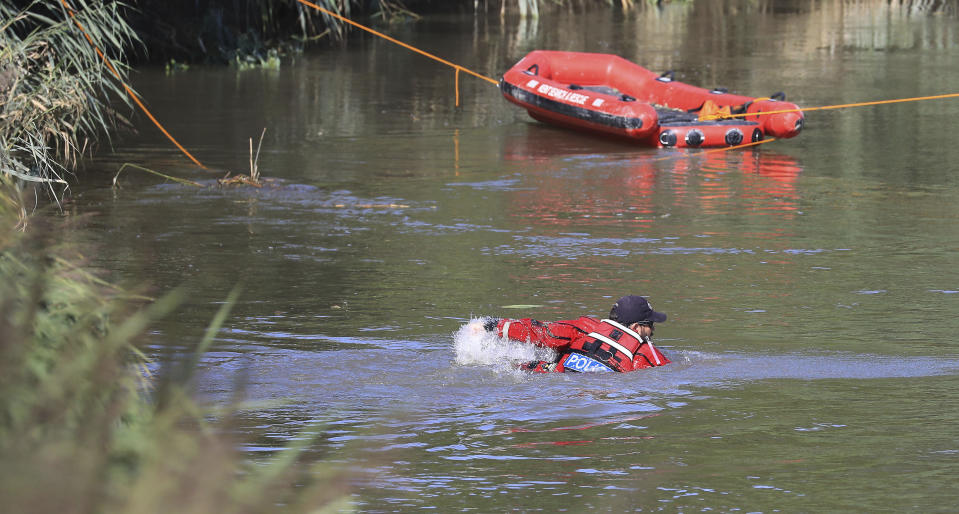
811	284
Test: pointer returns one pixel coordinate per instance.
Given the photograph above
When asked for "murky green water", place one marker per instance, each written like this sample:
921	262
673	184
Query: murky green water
811	284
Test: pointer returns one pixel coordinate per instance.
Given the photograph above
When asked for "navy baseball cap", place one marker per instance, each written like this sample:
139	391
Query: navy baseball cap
631	309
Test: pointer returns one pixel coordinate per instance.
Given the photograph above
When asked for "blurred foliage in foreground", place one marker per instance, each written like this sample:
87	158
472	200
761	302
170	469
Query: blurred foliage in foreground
84	427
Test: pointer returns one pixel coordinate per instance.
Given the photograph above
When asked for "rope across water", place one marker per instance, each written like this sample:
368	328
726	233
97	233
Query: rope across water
458	69
126	88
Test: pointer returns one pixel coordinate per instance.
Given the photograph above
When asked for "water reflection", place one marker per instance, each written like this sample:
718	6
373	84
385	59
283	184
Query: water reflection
886	26
570	185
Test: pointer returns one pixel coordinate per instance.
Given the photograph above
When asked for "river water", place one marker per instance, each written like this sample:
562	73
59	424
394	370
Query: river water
811	284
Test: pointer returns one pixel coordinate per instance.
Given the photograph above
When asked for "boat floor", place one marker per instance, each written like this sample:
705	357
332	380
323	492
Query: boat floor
667	115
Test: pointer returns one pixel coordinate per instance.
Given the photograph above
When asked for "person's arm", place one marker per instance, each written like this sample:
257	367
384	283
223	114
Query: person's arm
556	335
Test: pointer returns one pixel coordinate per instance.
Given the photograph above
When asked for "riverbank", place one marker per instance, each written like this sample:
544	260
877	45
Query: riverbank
56	91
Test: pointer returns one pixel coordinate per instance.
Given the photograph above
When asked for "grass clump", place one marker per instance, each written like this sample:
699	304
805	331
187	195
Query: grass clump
85	427
53	85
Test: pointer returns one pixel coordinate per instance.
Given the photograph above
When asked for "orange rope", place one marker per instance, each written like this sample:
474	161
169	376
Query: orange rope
743	145
457	82
126	88
392	40
841	106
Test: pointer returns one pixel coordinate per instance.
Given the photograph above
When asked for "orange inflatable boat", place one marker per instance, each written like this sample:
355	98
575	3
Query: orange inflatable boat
606	94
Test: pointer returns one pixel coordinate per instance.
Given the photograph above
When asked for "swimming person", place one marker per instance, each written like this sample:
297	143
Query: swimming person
620	343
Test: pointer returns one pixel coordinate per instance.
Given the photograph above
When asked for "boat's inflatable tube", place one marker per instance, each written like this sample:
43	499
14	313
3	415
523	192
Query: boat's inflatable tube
607	94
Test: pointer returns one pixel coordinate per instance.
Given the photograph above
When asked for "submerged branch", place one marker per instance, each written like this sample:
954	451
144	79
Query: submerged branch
157	173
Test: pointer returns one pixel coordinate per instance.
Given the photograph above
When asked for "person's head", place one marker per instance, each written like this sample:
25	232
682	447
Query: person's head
635	310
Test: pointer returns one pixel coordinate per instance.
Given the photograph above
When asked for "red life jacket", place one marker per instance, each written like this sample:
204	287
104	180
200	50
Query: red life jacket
615	346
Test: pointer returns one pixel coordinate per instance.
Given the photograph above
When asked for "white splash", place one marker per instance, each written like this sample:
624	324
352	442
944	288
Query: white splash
473	345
